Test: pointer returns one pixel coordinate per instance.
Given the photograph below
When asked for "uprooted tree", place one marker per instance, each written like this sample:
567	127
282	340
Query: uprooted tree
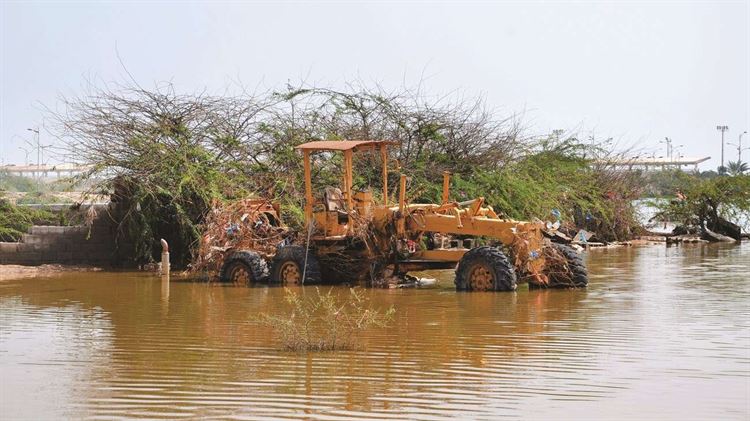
167	157
711	203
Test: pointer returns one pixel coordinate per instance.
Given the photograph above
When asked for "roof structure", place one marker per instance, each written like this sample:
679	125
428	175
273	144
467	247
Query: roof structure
341	145
655	161
45	171
46	168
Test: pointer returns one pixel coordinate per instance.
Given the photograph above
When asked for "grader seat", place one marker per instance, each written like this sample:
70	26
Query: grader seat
334	202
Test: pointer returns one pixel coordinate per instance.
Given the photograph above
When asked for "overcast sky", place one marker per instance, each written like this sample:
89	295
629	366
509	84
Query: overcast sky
635	71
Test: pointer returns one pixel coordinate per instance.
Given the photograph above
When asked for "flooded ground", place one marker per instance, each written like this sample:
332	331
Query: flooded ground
660	333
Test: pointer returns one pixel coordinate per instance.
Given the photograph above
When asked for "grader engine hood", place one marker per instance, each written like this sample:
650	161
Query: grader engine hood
470	218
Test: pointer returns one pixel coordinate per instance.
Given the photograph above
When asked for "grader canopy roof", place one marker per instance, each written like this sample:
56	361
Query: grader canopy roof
340	145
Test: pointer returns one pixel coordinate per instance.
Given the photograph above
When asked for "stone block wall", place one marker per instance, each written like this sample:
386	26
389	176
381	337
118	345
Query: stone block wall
80	244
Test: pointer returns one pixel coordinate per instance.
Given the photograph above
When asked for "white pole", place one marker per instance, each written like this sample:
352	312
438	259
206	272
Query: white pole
165	258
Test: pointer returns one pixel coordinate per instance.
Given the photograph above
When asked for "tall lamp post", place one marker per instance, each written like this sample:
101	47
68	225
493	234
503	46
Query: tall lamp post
668	141
739	147
679	155
38	157
722	129
26	151
38	149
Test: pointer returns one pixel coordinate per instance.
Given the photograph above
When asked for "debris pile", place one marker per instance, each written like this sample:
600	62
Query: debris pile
558	271
249	224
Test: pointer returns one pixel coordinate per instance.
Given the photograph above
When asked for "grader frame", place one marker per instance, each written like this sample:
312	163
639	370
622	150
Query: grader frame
330	225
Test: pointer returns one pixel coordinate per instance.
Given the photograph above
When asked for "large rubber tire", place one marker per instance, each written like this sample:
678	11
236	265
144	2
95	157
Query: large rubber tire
579	275
244	268
289	264
485	269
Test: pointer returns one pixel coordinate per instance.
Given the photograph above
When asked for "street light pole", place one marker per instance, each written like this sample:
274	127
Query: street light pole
679	155
38	149
722	129
38	156
26	151
669	148
668	141
43	147
739	147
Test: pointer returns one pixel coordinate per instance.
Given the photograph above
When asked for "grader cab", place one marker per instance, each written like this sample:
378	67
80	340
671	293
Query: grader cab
351	234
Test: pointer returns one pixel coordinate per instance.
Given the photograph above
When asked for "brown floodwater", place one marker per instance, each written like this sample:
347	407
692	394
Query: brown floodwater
660	333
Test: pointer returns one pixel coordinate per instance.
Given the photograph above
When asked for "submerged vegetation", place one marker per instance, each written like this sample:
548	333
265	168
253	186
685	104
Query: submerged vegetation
325	322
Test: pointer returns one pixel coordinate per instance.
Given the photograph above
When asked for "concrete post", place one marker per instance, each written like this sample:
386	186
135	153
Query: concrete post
165	274
165	258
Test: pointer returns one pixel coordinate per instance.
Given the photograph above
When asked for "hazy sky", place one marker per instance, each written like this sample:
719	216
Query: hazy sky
635	71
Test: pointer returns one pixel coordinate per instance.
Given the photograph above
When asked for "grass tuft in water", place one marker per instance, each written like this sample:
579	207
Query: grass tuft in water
325	322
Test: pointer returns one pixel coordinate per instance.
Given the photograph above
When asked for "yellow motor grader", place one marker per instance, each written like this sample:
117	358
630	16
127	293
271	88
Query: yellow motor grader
348	236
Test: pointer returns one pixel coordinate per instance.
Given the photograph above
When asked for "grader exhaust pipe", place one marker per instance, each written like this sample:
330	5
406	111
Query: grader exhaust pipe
446	186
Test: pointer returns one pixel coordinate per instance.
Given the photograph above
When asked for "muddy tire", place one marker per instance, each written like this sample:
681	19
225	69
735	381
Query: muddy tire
244	268
578	276
289	264
485	269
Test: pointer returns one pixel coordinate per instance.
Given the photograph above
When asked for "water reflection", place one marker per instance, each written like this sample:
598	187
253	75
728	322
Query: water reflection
659	331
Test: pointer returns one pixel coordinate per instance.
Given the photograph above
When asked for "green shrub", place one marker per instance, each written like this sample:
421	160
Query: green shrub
16	220
38	197
555	177
707	199
16	183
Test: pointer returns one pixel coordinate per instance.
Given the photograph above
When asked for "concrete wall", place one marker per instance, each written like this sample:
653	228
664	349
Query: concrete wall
64	245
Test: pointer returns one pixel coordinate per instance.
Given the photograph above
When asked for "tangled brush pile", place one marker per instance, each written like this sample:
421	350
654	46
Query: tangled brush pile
249	224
